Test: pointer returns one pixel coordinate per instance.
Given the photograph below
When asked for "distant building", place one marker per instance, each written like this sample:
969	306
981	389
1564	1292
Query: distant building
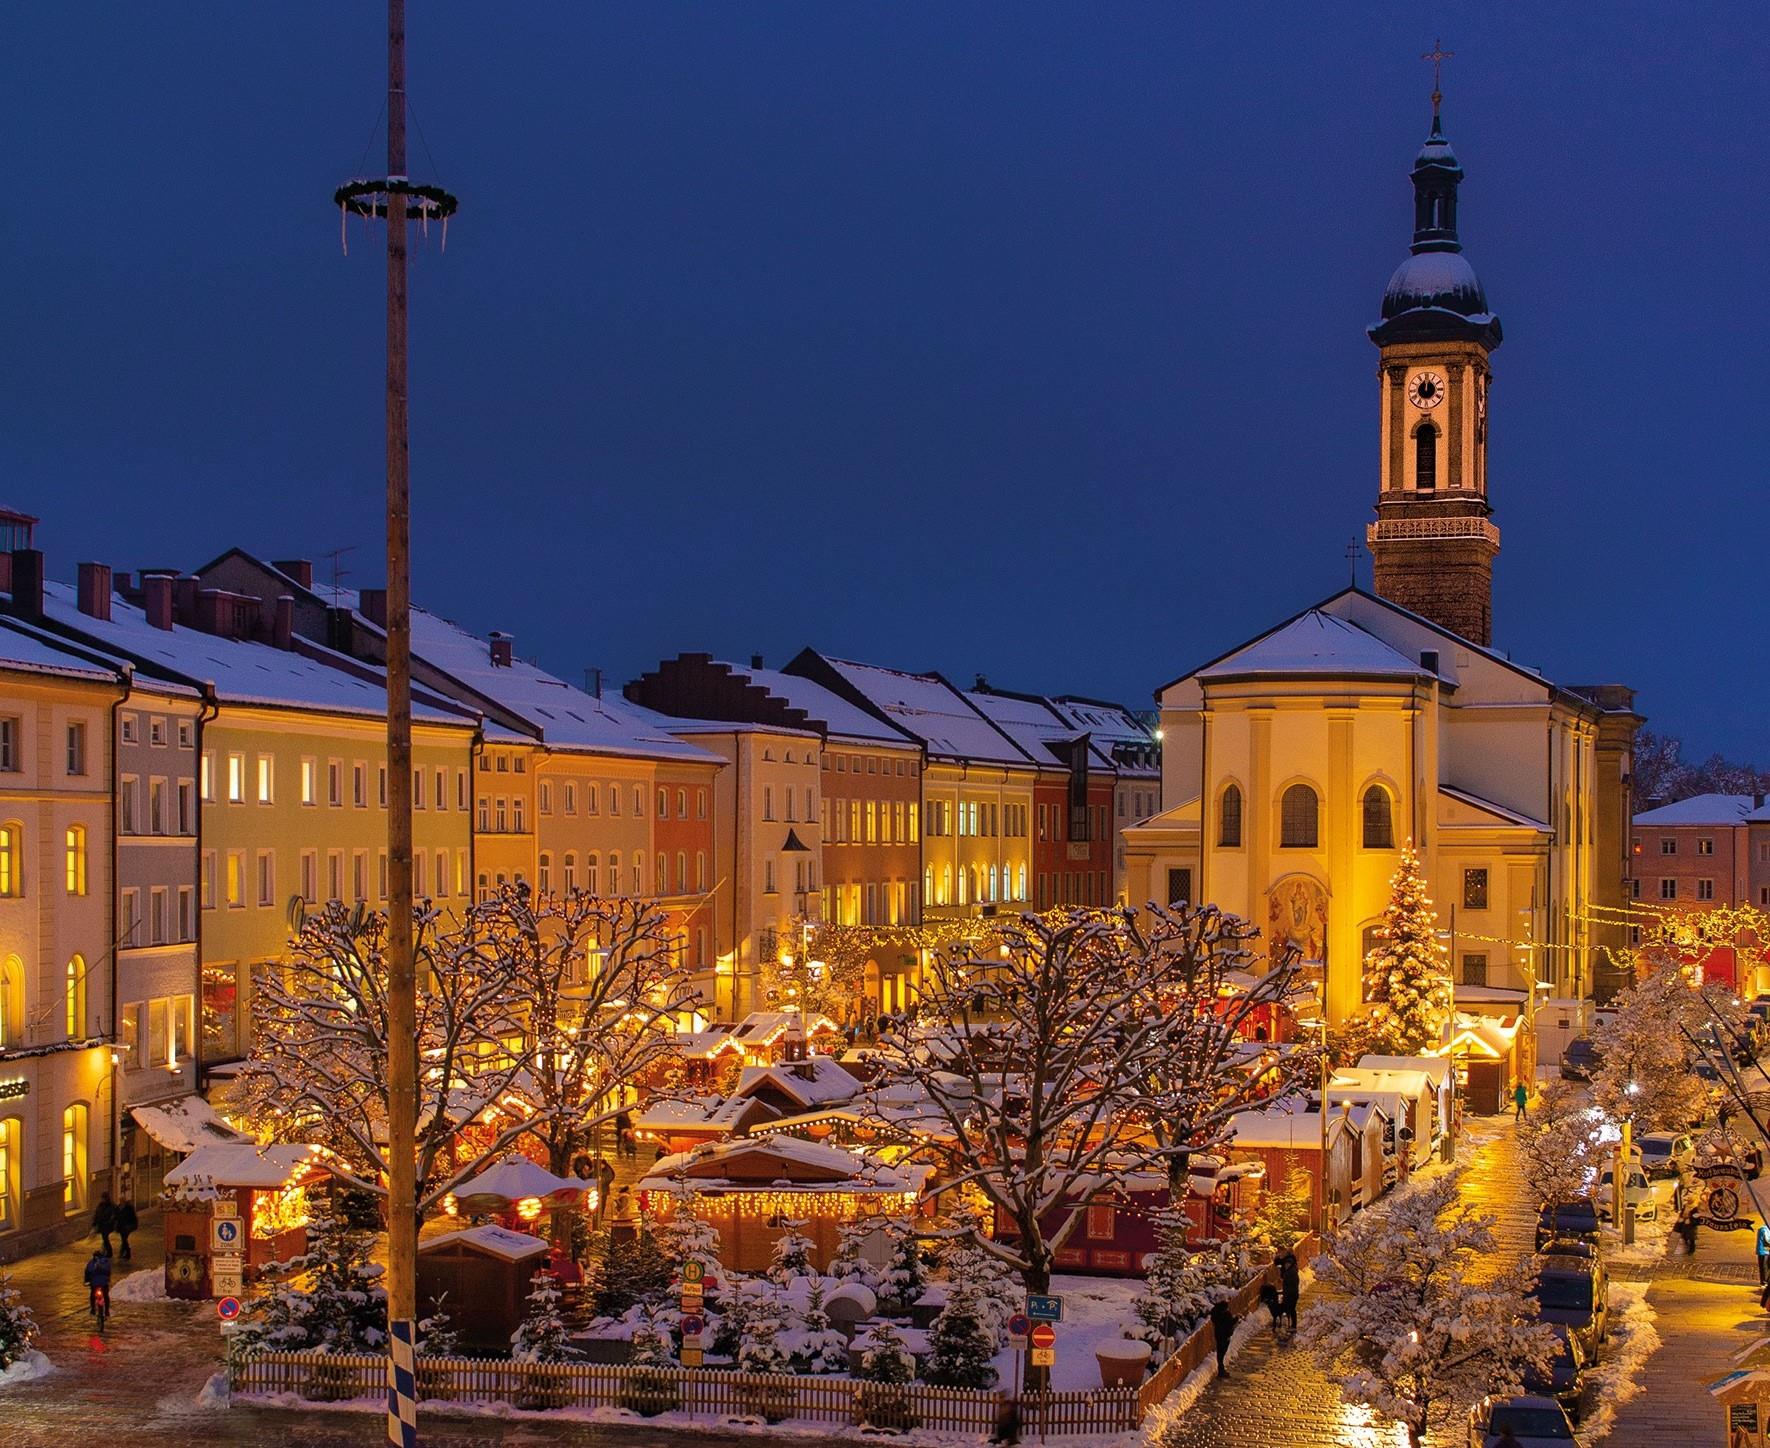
1709	852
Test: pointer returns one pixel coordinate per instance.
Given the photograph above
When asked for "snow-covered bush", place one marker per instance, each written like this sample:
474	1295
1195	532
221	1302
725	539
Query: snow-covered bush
761	1350
341	1309
650	1389
849	1264
886	1358
904	1279
18	1328
792	1254
541	1336
688	1237
812	1345
437	1334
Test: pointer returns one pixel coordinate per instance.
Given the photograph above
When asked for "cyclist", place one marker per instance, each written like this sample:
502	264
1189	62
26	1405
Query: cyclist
98	1279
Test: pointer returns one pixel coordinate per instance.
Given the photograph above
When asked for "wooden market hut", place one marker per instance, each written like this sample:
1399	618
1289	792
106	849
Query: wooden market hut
791	1088
1281	1141
679	1126
481	1276
267	1186
751	1187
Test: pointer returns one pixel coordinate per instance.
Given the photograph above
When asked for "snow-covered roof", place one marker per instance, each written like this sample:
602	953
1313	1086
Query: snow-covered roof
815	1081
702	1045
1412	1084
932	710
1701	809
712	1113
831	710
566	717
29	653
1393	1103
1435	1068
836	1170
1316	643
1035	726
1503	812
243	1164
1300	1130
185	1124
764	1028
241	671
494	1241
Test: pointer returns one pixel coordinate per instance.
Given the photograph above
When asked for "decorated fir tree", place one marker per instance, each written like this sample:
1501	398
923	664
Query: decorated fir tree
904	1279
1174	1291
1407	966
541	1336
18	1328
1281	1218
961	1343
792	1254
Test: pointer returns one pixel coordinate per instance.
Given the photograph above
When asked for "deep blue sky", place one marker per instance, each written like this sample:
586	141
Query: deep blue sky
1018	338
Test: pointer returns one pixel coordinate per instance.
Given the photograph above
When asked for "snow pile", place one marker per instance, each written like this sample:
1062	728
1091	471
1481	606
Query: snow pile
27	1369
215	1393
147	1286
1617	1376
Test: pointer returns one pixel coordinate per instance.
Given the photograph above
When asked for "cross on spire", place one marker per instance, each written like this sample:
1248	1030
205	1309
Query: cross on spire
1437	55
1354	551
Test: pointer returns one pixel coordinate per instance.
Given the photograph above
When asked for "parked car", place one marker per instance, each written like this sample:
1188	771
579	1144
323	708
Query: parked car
1533	1420
1637	1193
1577	1219
1573	1300
1571	1254
1581	1059
1565	1378
1666	1153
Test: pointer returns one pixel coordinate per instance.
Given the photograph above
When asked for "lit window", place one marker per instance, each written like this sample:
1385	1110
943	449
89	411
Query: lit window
310	781
236	778
76	842
76	998
73	1158
266	776
11	882
1299	824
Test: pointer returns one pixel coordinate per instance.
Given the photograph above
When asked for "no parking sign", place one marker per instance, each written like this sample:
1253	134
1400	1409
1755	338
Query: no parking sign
228	1309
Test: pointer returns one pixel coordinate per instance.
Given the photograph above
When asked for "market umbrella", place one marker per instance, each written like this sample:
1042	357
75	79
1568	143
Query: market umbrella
517	1179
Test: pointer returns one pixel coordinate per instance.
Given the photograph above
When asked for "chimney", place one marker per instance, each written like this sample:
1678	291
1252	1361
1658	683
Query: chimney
95	590
593	682
184	599
1429	660
501	646
372	604
1758	799
27	582
156	599
283	630
981	686
300	569
755	661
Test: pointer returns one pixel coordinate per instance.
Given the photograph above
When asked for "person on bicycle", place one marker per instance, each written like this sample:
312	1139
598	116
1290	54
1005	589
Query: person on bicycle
98	1278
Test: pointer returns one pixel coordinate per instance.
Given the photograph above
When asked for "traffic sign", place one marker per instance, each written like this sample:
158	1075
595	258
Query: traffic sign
226	1234
693	1271
228	1309
1019	1325
226	1283
1044	1309
1043	1336
693	1326
691	1355
224	1207
1044	1357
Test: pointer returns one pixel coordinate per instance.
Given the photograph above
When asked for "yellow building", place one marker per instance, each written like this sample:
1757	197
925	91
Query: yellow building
1296	766
57	1086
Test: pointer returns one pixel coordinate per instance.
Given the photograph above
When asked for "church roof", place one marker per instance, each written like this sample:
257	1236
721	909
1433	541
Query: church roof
1499	811
1315	643
1702	809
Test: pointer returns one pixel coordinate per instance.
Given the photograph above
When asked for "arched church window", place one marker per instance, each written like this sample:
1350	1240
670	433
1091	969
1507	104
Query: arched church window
1299	818
1426	457
1379	825
1229	818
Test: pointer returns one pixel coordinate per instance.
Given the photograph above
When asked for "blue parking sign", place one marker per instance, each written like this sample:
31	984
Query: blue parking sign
1044	1309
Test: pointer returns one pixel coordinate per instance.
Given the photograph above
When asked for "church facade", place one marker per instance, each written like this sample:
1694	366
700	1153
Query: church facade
1297	765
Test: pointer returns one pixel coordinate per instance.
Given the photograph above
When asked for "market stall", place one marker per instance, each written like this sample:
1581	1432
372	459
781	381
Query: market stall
230	1209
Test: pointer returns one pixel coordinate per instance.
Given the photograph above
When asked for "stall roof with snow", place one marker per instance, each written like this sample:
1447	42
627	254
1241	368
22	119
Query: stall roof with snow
185	1124
782	1163
498	1242
242	1164
815	1081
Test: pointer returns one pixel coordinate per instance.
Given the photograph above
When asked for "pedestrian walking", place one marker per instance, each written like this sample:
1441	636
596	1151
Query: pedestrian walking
1290	1286
104	1221
127	1222
1269	1300
624	1142
97	1276
1223	1330
1520	1097
605	1184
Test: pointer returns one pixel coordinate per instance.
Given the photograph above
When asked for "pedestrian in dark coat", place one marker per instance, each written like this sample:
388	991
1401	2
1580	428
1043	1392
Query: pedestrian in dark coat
104	1221
1290	1287
127	1222
1223	1329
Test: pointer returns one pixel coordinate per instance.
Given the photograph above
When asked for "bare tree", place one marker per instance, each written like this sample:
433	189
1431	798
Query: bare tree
597	985
1045	1064
318	1068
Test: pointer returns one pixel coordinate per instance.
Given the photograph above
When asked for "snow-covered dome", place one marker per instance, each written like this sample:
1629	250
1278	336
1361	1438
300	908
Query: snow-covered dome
1442	279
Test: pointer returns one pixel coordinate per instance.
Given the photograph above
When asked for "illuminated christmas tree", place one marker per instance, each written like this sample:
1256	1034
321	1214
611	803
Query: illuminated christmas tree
1407	966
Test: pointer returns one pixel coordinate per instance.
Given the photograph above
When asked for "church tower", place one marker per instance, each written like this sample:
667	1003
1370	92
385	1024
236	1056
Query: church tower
1433	541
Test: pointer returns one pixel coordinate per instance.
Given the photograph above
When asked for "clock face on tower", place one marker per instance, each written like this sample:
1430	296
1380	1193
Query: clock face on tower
1426	390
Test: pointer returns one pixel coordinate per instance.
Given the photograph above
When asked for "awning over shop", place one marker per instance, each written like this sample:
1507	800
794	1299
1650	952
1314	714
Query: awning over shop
185	1124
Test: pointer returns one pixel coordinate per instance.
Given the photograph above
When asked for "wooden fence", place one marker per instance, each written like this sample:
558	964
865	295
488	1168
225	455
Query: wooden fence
703	1392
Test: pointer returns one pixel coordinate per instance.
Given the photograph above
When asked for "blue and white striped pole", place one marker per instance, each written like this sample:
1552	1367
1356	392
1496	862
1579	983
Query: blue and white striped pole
402	1386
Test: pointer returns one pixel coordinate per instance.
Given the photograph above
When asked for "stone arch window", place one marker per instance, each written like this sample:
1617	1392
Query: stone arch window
1229	818
75	998
1299	818
1379	819
1426	457
12	1002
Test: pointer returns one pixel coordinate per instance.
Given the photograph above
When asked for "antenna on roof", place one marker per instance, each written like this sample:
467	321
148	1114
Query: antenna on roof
339	573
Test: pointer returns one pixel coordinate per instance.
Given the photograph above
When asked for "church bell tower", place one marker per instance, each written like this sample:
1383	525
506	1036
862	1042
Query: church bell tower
1434	540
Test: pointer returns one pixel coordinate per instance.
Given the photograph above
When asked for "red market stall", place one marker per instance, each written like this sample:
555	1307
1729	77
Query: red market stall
262	1188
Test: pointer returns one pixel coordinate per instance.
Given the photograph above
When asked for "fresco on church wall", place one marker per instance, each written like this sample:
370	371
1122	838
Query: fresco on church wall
1297	910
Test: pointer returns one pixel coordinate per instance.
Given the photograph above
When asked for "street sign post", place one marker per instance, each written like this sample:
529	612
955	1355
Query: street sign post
1044	1357
693	1271
1044	1309
226	1235
222	1207
1043	1337
228	1309
1018	1327
693	1326
226	1279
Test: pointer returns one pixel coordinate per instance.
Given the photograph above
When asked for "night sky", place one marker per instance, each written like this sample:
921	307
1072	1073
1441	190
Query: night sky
1024	339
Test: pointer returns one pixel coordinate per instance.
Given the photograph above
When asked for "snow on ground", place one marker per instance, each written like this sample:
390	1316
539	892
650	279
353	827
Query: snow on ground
1095	1310
147	1286
1617	1377
27	1369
